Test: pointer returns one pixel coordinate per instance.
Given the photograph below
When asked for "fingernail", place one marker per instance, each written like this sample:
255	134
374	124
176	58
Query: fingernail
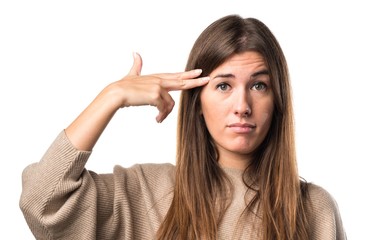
158	119
198	70
204	79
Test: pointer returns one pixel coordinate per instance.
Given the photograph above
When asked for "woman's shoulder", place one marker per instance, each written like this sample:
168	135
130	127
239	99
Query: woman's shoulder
145	180
321	201
319	196
154	173
154	168
324	215
157	171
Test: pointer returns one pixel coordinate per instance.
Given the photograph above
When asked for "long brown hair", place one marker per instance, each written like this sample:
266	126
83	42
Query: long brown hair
201	189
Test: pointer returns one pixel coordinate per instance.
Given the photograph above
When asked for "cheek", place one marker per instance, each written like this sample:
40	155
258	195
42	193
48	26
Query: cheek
265	119
265	115
210	113
213	113
208	106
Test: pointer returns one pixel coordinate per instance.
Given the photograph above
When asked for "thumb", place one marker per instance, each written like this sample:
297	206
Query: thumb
137	65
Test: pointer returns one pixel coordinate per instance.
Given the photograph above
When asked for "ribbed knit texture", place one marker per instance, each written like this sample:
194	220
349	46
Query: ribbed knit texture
62	200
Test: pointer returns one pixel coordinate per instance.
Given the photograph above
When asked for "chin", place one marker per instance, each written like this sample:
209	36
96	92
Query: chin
243	151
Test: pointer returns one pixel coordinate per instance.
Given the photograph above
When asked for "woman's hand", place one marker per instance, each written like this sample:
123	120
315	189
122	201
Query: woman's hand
132	90
136	90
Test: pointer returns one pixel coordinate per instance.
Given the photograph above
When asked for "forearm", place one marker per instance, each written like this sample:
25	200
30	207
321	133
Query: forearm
86	129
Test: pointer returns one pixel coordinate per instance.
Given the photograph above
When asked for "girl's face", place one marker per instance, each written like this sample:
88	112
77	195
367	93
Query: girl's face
237	106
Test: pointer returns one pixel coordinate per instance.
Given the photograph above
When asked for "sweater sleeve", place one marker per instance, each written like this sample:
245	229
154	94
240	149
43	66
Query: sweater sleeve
56	190
60	199
325	220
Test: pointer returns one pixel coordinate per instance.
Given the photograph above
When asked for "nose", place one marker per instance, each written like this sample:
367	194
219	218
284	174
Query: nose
242	106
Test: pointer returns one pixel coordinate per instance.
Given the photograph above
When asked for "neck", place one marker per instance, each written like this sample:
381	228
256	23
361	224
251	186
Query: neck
234	160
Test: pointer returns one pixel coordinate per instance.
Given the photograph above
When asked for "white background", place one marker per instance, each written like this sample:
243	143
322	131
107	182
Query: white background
55	56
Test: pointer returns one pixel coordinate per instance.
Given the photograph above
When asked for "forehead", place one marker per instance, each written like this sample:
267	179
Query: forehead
246	60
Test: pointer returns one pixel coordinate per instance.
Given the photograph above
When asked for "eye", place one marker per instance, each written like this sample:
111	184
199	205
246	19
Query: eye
223	87
259	86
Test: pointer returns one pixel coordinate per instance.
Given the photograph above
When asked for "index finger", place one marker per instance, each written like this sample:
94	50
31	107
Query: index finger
191	74
183	84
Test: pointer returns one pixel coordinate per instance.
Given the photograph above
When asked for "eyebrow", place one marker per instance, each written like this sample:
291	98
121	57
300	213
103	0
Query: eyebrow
229	75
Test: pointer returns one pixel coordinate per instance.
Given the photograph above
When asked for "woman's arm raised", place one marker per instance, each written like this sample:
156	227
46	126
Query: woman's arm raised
132	90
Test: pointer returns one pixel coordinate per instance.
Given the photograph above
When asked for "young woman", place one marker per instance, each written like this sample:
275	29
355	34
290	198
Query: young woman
235	175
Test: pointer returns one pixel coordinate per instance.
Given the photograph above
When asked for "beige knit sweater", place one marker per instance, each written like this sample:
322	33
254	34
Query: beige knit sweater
62	200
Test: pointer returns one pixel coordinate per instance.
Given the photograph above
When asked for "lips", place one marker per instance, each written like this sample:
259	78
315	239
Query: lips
242	127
